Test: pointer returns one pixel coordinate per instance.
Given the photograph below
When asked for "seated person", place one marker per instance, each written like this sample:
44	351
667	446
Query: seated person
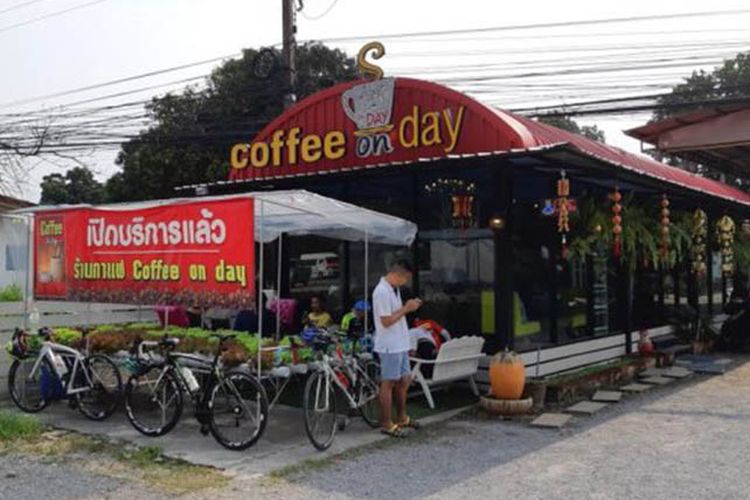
318	316
247	321
353	322
195	316
427	336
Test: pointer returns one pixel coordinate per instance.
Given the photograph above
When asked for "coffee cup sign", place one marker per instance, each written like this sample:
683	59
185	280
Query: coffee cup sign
369	105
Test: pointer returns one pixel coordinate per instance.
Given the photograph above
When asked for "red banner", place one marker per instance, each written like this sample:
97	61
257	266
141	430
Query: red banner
199	252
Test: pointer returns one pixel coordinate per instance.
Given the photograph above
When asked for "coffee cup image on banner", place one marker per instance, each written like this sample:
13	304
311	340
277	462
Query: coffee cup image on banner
369	106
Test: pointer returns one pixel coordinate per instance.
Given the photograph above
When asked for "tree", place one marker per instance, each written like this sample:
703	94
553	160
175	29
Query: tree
566	123
78	185
193	131
731	80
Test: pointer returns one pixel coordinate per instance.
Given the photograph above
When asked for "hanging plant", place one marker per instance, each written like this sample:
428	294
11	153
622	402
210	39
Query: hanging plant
616	197
664	230
563	219
725	238
699	231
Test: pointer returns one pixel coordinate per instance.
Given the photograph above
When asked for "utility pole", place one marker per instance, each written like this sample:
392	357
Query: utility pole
289	32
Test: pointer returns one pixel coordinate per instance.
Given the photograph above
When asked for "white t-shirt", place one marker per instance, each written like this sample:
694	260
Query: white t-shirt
385	301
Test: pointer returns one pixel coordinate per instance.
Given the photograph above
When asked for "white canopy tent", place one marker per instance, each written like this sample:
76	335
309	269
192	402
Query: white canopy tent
296	212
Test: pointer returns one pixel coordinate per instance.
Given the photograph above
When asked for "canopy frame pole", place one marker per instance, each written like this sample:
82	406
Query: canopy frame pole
260	286
29	295
367	277
278	290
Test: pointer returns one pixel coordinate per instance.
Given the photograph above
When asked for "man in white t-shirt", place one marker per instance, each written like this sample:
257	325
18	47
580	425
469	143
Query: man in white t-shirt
392	345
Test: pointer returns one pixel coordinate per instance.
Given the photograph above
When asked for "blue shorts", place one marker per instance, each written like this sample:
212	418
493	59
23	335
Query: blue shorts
394	365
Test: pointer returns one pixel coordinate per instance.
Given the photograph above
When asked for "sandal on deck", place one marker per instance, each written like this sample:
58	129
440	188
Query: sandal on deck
410	423
394	431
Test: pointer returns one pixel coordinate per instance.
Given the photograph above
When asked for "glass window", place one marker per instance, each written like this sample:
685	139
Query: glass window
15	257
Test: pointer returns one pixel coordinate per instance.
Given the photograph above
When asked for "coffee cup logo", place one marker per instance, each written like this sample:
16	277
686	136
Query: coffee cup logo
369	105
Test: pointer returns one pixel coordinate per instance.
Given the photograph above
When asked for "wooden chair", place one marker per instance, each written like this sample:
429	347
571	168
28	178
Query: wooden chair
458	359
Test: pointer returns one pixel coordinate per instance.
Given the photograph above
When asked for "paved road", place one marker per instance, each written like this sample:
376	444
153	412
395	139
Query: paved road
689	440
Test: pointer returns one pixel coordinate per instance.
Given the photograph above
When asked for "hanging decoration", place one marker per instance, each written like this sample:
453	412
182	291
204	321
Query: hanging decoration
725	238
664	229
616	198
699	231
457	201
563	220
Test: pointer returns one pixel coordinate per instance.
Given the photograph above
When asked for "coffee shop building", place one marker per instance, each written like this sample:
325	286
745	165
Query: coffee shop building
500	201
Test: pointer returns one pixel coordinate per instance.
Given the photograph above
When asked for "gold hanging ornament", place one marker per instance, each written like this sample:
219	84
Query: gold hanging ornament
725	230
563	219
616	197
664	229
699	232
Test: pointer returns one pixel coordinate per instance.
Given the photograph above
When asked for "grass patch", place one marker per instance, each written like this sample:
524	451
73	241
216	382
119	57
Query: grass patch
17	426
23	434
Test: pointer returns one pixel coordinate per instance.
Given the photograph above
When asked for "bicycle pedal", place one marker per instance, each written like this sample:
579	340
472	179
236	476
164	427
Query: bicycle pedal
72	403
204	430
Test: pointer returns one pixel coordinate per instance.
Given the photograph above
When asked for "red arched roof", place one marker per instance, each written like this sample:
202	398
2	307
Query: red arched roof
481	130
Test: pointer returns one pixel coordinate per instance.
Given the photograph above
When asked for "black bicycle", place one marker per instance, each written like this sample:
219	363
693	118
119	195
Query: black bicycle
230	404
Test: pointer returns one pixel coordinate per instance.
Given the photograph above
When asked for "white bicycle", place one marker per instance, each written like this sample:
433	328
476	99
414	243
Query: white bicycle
36	378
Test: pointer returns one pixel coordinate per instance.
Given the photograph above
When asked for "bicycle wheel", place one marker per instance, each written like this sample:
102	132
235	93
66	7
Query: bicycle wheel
100	401
368	395
320	410
238	411
26	388
153	401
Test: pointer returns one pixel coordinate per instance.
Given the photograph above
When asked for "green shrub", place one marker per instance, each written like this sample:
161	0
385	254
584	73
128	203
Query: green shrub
16	426
11	293
67	336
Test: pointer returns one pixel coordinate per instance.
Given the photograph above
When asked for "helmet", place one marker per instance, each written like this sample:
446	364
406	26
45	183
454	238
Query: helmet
361	305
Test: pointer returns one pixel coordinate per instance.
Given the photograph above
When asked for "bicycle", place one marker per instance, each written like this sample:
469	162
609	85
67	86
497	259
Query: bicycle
354	377
92	383
154	394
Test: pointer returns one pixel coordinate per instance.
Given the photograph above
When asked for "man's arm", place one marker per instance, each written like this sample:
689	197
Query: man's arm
410	306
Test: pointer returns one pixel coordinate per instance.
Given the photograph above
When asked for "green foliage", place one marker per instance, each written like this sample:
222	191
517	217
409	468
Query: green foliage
11	293
67	336
569	124
16	426
78	185
194	130
641	237
728	81
143	456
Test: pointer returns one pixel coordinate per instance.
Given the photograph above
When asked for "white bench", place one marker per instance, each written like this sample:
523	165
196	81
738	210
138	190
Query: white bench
458	359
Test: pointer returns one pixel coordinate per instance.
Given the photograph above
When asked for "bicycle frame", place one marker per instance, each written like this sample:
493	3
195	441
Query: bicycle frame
49	350
214	370
355	373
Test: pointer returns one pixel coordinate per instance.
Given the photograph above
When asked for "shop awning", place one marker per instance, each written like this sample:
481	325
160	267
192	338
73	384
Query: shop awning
718	136
296	213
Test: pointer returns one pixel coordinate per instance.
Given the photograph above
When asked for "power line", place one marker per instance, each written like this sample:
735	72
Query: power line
116	82
20	6
322	14
50	15
616	20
